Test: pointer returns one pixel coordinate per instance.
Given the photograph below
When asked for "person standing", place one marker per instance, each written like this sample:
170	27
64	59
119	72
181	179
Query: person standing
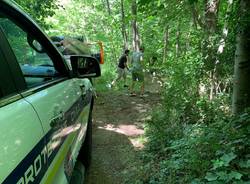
121	68
137	71
152	64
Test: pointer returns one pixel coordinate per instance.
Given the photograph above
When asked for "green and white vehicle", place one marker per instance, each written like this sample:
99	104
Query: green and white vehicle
45	107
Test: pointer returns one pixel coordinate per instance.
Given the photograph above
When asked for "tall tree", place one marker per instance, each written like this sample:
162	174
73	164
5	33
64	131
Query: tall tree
39	11
108	7
195	14
124	32
165	41
209	50
177	44
135	31
211	11
241	88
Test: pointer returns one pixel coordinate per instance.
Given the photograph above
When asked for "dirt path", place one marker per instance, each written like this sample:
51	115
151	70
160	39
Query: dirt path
118	121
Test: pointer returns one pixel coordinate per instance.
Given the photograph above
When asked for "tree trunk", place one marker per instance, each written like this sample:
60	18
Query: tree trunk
241	88
177	45
187	44
196	16
215	74
111	33
124	32
135	32
166	39
211	11
209	50
108	7
222	42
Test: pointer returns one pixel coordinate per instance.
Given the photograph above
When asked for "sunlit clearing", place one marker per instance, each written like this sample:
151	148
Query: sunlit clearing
129	130
137	142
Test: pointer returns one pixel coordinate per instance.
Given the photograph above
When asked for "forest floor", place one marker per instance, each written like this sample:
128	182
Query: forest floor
118	128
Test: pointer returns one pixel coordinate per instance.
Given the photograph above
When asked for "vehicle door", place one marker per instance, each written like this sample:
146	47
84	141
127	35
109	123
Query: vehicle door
21	132
61	102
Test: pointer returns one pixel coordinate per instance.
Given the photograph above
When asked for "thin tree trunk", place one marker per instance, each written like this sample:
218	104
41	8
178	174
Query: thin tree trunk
209	51
110	33
177	45
195	15
214	73
108	7
225	28
241	88
188	41
166	40
135	32
211	11
124	32
212	84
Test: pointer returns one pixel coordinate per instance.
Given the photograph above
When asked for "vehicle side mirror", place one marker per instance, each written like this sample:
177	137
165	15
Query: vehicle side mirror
85	66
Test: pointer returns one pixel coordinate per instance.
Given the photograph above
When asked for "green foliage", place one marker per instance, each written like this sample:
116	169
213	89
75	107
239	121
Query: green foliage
195	139
217	152
192	137
232	163
90	20
108	74
39	9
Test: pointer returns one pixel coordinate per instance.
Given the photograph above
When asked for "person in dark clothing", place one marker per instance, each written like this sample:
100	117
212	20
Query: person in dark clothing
121	68
152	63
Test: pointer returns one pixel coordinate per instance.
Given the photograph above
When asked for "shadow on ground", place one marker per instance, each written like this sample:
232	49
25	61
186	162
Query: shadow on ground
118	126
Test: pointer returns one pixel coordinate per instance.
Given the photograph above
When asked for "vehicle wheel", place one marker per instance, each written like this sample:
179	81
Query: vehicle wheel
86	150
78	174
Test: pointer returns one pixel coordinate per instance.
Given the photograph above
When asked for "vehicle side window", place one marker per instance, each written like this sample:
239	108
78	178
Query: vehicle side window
6	84
37	67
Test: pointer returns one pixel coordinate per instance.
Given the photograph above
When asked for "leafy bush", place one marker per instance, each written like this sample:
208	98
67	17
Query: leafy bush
197	153
108	74
192	138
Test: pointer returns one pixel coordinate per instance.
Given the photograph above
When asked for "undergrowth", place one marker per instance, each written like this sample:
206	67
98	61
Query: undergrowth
108	73
193	139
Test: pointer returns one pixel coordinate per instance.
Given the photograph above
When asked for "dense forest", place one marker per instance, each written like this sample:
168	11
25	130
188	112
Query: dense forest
200	133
